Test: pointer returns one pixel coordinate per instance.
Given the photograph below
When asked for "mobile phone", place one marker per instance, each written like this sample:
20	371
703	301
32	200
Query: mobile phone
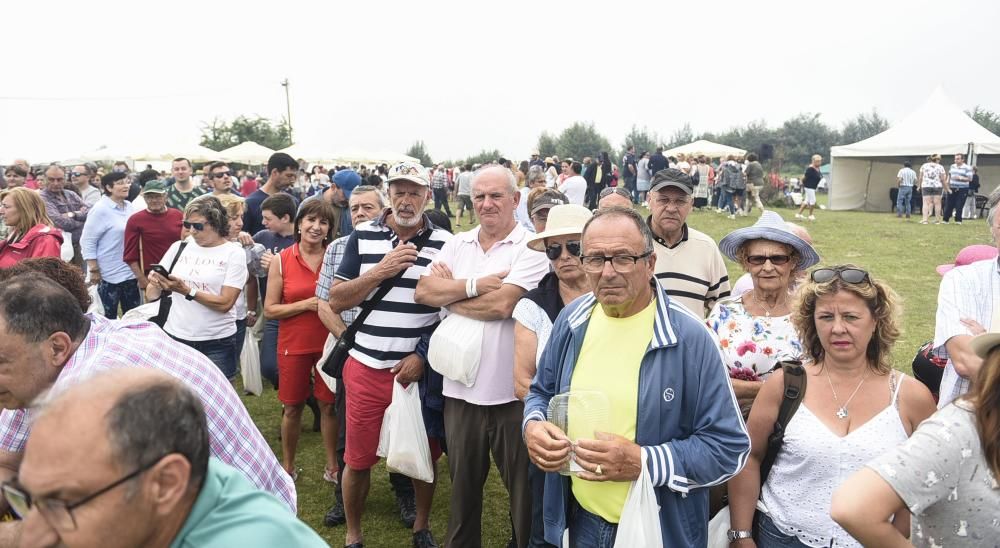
159	270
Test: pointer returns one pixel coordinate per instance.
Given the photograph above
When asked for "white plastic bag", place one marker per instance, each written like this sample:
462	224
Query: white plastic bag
143	312
718	529
329	381
96	306
640	521
250	365
403	440
455	348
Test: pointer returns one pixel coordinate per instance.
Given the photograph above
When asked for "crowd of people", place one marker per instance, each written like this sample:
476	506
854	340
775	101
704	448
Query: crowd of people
561	295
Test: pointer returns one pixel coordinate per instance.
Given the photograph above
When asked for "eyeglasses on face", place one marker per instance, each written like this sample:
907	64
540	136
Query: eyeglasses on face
58	513
623	264
776	260
554	251
849	275
194	226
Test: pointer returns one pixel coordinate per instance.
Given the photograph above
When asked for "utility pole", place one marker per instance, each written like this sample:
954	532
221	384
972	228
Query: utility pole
288	107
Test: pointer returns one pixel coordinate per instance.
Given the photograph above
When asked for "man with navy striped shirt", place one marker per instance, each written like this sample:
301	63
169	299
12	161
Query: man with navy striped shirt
393	249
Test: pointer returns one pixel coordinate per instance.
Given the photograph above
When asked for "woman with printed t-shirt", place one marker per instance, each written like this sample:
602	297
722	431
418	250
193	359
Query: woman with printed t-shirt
206	281
291	299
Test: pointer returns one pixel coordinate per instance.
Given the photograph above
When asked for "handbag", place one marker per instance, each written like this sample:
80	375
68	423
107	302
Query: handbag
334	364
160	318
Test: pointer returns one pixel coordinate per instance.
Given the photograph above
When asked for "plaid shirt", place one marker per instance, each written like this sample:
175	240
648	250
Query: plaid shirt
233	436
440	179
331	262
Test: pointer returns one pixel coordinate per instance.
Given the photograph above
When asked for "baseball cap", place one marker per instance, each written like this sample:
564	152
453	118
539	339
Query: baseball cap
155	187
549	198
346	180
672	177
408	171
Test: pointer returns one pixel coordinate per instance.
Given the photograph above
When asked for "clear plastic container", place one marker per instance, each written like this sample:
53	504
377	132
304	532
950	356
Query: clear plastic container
580	414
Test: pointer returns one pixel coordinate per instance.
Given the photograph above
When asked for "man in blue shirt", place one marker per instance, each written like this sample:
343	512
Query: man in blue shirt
282	171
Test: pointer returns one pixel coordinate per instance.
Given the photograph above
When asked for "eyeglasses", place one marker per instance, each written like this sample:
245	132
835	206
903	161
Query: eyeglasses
849	275
776	260
623	264
220	174
196	226
58	513
77	174
554	251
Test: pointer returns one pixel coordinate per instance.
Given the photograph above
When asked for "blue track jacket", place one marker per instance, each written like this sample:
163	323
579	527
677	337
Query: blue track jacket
689	423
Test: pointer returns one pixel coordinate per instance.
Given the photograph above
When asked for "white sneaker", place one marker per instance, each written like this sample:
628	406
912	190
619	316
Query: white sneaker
812	217
799	216
645	204
732	216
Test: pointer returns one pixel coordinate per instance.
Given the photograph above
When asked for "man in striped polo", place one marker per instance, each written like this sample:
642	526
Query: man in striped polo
393	249
689	265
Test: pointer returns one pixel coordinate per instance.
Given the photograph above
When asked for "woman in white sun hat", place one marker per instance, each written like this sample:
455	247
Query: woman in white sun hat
946	474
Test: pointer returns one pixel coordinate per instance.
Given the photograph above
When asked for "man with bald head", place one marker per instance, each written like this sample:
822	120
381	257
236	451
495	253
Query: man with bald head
47	342
123	460
482	274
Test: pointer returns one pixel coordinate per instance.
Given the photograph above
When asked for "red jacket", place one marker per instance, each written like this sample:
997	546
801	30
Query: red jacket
40	241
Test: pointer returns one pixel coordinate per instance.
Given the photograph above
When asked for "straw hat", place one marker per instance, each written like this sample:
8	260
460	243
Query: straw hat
563	220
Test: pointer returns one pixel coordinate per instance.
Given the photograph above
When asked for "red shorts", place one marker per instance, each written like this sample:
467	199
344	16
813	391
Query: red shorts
369	393
294	371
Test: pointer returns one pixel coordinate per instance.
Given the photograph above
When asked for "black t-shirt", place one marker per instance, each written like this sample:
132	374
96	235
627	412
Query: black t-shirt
275	243
811	178
657	162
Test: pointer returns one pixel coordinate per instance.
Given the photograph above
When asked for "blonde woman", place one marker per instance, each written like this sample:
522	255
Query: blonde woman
30	232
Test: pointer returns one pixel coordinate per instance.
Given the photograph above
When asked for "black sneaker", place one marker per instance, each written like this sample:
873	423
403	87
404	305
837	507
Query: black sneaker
335	516
424	539
407	510
355	545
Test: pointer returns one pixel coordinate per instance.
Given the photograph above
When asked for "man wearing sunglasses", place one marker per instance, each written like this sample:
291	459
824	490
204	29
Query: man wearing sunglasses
124	460
220	179
689	265
671	407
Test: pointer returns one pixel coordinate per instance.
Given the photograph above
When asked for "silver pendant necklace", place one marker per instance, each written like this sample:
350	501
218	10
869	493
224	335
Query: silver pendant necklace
842	409
767	311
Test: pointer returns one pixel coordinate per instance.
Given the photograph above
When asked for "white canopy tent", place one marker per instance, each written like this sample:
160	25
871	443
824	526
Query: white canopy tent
865	171
247	152
310	153
351	155
195	153
706	148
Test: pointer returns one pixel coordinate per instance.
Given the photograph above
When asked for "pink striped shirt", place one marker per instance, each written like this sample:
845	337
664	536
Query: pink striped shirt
233	436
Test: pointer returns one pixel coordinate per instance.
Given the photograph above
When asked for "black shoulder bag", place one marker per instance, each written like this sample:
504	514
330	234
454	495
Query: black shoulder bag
334	364
160	318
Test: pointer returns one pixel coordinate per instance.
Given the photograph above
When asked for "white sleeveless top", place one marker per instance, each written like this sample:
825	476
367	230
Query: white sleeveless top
814	461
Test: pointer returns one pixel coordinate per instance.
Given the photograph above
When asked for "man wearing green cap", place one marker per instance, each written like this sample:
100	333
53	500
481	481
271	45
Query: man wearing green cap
150	232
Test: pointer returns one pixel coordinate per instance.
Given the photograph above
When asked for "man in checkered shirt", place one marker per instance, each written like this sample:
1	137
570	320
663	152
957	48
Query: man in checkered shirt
47	343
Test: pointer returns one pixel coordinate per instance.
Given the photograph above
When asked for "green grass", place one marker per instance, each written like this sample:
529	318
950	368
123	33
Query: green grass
903	254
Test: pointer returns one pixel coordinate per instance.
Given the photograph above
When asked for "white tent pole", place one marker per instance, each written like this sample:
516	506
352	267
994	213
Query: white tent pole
868	182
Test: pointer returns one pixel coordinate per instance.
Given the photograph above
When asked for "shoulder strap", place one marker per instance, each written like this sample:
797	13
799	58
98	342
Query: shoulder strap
795	390
180	250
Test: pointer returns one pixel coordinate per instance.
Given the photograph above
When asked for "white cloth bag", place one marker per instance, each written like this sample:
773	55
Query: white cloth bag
403	440
96	306
718	529
250	365
640	521
456	347
143	312
329	381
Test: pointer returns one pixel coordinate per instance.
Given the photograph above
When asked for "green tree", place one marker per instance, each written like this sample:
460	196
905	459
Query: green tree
805	135
219	135
986	118
546	144
862	127
682	136
579	140
419	151
642	138
484	157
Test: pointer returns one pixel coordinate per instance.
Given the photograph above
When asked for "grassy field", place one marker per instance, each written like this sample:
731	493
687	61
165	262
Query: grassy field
902	253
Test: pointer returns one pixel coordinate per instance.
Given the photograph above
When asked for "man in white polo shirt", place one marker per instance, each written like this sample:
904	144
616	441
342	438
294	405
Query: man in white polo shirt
485	418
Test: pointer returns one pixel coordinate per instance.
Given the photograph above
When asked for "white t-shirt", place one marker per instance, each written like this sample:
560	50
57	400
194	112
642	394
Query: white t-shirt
575	188
932	175
207	269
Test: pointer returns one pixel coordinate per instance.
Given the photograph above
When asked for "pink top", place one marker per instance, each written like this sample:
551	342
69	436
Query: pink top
466	258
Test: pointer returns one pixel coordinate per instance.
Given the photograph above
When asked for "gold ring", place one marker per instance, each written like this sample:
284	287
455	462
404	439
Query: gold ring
599	471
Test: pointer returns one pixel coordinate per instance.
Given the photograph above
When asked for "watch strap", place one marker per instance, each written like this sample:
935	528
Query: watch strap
735	535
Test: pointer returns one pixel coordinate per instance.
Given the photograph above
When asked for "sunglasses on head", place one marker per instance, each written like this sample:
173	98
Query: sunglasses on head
776	260
850	275
554	251
196	226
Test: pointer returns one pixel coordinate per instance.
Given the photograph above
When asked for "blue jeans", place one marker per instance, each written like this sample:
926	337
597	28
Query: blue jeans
239	337
904	200
954	203
726	201
220	351
537	478
769	536
588	530
112	295
269	352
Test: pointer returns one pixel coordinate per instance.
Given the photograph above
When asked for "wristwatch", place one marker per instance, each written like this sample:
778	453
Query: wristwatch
191	294
733	535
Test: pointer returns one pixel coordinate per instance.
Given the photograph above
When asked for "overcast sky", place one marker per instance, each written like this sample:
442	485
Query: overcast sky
468	75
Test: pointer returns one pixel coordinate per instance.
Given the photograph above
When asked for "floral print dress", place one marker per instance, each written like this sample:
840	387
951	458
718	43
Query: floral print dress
755	343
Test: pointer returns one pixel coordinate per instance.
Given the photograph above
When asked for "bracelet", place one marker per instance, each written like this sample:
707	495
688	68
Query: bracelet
470	288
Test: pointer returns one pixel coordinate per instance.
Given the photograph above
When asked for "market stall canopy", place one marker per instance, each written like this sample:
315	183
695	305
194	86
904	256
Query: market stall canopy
247	152
104	154
195	153
311	153
707	148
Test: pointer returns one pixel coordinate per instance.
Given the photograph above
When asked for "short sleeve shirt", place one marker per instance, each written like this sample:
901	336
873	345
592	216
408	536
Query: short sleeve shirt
753	342
932	174
942	476
960	175
906	176
207	269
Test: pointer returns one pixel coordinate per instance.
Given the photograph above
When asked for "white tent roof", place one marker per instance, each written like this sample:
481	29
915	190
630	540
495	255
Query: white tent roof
350	155
311	153
247	152
195	153
708	148
937	127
